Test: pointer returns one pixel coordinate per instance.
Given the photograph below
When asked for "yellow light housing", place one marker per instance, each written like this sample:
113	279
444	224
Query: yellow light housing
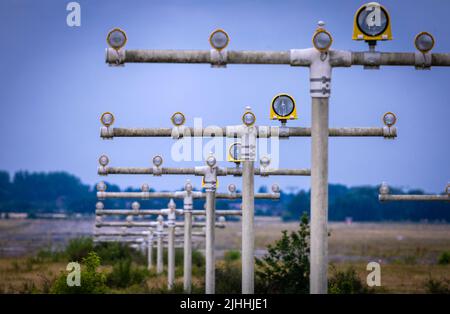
283	108
372	23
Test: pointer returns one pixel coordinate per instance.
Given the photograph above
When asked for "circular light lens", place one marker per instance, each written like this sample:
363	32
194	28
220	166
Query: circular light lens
384	188
235	151
424	42
248	118
264	161
107	119
322	40
101	186
157	161
275	188
211	161
372	20
99	205
283	105
222	219
145	187
116	38
135	205
178	119
389	119
188	186
232	188
103	160
219	39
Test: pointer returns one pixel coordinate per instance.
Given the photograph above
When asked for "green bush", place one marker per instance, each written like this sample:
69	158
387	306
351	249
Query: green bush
444	258
346	282
232	255
91	280
437	286
125	274
112	252
229	278
285	268
77	249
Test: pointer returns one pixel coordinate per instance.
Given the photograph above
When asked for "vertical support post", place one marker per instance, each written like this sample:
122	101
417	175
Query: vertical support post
248	236
210	280
171	257
319	196
159	254
150	251
187	267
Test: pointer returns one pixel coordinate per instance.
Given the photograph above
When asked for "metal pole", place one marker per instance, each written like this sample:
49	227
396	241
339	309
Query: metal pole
150	252
159	255
319	196
187	271
171	258
411	197
248	236
210	240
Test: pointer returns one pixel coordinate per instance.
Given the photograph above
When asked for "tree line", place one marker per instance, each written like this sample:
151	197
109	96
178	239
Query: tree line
40	192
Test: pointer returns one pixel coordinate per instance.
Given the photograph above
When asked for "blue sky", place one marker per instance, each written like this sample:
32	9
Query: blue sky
55	84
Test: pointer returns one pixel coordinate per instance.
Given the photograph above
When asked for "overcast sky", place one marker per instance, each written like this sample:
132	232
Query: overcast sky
55	84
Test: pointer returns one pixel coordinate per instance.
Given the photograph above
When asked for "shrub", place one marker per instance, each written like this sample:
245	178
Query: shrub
232	255
346	282
125	274
285	268
91	280
444	258
437	286
229	278
78	249
112	252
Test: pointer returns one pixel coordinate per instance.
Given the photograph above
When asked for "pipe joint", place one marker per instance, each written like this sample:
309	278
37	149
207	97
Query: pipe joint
218	58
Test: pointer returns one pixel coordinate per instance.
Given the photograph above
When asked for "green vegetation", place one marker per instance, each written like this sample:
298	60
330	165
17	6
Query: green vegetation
437	286
444	258
346	282
285	268
60	191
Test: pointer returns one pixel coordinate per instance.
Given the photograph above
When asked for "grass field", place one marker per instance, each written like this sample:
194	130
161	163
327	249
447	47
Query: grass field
408	253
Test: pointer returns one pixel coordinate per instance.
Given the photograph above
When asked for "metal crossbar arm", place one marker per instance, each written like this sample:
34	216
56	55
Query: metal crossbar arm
270	57
131	212
143	224
149	195
262	132
191	171
410	197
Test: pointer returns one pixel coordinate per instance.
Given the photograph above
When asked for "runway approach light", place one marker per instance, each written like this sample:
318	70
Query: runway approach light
372	23
424	42
283	108
107	119
178	119
116	38
219	39
389	119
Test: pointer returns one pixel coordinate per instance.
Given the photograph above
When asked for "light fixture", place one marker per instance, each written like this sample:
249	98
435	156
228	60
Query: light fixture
99	206
389	119
232	188
219	39
322	39
178	119
234	153
264	161
188	186
107	119
116	38
424	42
101	186
135	205
222	219
372	23
248	118
145	187
384	188
103	160
283	108
157	161
275	188
211	161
